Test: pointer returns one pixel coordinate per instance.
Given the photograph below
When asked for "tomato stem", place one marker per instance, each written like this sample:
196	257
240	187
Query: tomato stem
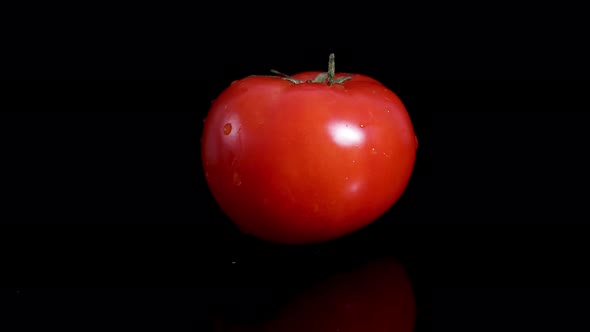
286	77
331	69
321	77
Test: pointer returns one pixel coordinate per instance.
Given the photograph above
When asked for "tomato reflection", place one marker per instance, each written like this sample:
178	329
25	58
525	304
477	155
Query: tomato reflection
376	297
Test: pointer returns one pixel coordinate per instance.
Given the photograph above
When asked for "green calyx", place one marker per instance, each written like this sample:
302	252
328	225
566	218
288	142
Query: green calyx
327	77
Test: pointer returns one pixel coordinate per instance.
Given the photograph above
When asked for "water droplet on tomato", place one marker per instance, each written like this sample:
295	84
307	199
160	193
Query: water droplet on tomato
237	180
362	125
227	128
388	110
373	150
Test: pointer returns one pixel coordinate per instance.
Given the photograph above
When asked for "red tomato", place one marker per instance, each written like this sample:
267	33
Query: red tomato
373	298
294	161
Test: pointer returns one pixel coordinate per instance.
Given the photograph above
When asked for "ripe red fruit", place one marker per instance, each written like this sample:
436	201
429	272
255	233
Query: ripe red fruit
307	158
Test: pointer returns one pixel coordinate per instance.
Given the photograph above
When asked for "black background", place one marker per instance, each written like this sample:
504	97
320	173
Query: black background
107	222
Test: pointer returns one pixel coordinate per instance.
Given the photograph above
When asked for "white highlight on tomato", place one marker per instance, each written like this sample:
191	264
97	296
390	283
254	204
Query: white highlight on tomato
346	134
354	187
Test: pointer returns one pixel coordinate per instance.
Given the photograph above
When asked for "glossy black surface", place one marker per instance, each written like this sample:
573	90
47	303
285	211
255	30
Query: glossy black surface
107	223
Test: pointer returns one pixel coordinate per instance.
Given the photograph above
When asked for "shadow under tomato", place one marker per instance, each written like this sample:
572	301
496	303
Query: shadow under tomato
376	296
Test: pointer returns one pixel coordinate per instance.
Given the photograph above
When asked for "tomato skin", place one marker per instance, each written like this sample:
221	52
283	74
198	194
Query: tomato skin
303	163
